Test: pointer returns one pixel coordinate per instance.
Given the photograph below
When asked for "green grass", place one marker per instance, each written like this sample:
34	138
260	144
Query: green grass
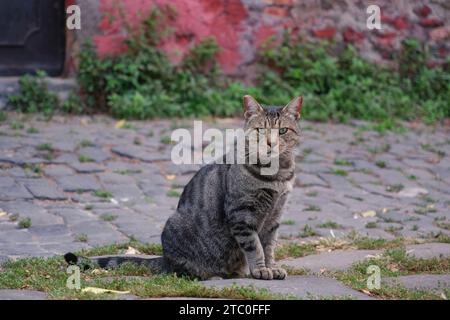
371	225
339	172
14	217
307	231
44	147
430	148
165	140
108	217
25	223
329	225
288	222
395	188
128	171
425	210
49	275
311	194
35	168
173	193
3	116
312	207
16	125
443	225
294	250
394	263
380	164
81	237
32	130
342	162
137	141
84	158
88	207
103	194
85	143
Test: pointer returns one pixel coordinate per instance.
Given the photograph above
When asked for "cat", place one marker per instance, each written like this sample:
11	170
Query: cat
228	215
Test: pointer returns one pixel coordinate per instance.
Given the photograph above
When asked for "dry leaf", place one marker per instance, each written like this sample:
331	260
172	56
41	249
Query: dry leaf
101	290
132	250
2	213
366	292
368	214
99	271
119	124
171	177
393	267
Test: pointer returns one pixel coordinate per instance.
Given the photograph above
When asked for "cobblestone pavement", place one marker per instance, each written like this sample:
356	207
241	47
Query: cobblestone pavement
83	182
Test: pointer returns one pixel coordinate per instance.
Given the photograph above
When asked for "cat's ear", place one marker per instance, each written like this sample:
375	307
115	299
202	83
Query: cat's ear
251	106
293	108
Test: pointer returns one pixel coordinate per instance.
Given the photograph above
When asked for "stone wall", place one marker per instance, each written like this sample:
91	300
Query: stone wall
240	26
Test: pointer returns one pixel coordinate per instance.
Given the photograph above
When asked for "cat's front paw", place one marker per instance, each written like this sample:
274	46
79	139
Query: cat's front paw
279	273
262	273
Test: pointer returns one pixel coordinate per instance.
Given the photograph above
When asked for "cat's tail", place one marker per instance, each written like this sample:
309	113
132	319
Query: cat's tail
155	263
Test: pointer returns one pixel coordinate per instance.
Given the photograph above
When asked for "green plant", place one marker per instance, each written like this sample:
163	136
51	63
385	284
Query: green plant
103	194
329	225
84	158
25	223
34	96
142	83
3	116
339	172
380	164
44	147
81	237
307	231
173	193
342	85
32	130
108	217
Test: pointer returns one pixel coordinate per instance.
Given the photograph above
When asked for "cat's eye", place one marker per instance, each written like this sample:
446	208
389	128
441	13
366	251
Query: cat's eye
283	130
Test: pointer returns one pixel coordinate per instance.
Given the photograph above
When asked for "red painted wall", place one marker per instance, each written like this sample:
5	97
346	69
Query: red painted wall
240	26
195	20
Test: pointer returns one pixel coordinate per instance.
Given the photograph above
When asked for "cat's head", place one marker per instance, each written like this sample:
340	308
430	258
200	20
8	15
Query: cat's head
283	121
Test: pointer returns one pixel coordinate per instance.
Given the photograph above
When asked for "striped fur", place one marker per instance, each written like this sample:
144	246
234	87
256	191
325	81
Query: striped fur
228	215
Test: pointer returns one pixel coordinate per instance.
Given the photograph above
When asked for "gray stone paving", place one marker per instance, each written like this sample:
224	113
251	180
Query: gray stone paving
83	183
343	259
300	287
22	295
57	177
435	282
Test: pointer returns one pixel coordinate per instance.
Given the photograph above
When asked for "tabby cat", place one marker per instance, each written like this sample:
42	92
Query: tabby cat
228	215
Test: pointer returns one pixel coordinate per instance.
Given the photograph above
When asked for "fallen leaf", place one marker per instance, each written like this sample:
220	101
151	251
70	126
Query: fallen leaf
99	271
2	213
101	290
119	124
366	292
368	214
171	177
132	250
443	296
392	267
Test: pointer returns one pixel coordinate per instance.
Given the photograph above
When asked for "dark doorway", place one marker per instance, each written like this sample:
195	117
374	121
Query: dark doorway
32	36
